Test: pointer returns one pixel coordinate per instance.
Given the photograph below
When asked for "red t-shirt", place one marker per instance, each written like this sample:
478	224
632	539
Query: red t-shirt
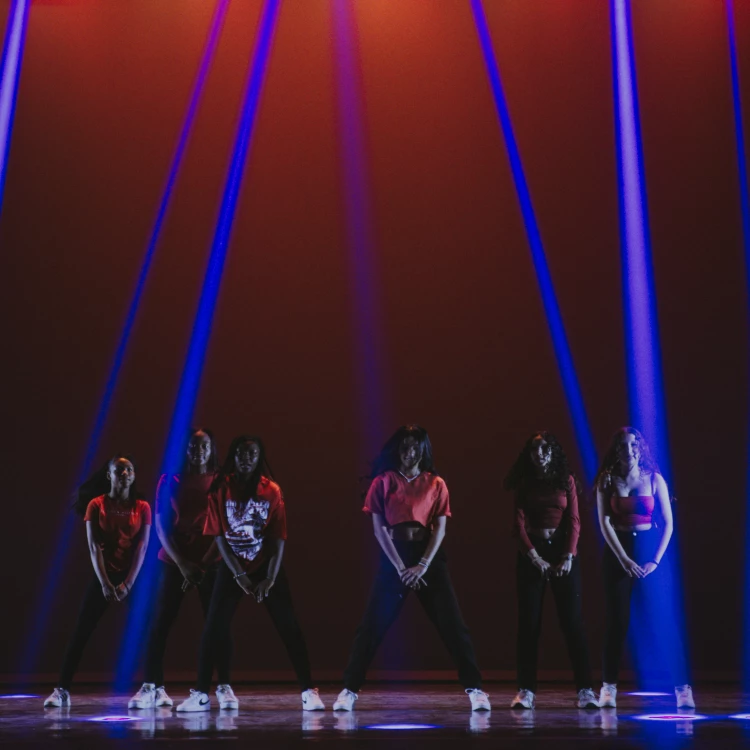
185	498
246	522
422	499
539	506
116	528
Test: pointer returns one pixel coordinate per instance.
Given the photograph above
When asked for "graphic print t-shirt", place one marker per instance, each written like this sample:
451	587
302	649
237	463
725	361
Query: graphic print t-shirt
116	528
246	522
183	500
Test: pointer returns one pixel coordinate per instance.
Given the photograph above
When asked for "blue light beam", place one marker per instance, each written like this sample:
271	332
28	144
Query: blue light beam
191	375
10	74
573	393
55	568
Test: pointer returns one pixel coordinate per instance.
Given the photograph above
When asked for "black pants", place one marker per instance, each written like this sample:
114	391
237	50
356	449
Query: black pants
566	590
216	641
655	597
439	602
168	601
93	608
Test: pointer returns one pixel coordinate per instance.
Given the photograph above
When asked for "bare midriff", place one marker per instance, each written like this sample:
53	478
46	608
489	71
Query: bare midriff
637	527
410	531
542	533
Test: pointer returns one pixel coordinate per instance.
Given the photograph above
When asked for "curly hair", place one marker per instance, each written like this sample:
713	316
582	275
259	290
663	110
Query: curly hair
646	462
389	458
263	469
523	470
98	484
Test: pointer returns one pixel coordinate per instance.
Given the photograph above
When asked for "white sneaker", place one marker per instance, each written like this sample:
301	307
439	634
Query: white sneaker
226	697
684	694
59	698
524	699
196	702
587	699
608	696
161	698
345	701
480	701
144	698
311	700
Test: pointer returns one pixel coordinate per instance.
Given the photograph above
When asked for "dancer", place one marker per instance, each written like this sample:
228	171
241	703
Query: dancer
247	516
118	524
188	558
547	527
408	502
630	491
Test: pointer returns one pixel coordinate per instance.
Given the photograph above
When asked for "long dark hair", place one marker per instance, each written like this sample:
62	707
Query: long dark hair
213	459
523	470
646	462
263	469
389	459
98	484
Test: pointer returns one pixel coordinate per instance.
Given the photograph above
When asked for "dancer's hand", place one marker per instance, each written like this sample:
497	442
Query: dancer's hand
632	568
243	581
262	589
649	568
122	591
109	592
540	563
192	573
564	567
412	577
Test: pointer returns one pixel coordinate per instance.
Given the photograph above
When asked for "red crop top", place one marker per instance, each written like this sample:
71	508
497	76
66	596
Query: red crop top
422	499
539	506
633	510
185	498
116	528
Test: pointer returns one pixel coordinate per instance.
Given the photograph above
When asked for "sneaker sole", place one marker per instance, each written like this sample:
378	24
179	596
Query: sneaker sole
137	704
313	708
229	706
521	707
198	710
343	708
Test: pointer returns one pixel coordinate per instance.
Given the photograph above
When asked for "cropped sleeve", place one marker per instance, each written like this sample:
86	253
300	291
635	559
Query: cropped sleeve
375	499
92	510
276	527
572	517
145	511
442	500
519	524
213	525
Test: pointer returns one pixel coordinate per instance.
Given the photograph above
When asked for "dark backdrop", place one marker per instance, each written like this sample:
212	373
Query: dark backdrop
103	92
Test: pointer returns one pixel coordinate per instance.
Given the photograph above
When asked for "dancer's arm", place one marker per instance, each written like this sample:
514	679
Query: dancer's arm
233	563
97	561
608	532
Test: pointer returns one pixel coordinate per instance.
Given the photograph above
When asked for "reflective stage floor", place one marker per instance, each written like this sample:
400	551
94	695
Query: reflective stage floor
415	715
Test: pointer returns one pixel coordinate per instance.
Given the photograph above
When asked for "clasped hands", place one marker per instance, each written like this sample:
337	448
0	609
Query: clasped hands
412	577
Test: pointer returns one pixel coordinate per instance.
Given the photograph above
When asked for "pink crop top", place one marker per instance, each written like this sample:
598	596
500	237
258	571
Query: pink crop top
632	510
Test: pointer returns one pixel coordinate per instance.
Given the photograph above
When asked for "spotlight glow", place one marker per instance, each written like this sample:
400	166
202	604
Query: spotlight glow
647	694
740	717
114	718
18	696
670	717
399	727
10	73
563	354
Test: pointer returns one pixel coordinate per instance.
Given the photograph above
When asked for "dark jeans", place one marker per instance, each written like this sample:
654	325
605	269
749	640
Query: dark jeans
566	591
167	603
93	607
216	641
655	597
439	602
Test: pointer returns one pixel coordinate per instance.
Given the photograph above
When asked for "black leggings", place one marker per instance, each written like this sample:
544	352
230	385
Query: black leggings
169	598
92	609
566	591
655	596
216	641
439	602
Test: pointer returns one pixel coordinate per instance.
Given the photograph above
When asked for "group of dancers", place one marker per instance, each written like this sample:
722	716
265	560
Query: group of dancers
222	530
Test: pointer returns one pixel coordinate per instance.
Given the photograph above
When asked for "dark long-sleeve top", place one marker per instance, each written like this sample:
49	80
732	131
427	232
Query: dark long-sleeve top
539	506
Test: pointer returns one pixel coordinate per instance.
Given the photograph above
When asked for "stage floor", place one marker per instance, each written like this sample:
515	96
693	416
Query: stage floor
431	715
